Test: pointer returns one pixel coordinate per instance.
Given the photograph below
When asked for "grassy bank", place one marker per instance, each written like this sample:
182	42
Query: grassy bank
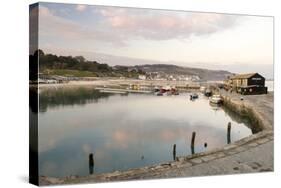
67	72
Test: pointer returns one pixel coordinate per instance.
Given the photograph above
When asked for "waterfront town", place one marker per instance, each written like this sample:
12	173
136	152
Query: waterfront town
245	84
133	94
229	98
238	93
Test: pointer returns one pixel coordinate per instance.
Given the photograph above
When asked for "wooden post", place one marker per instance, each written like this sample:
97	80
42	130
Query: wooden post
174	152
91	163
228	133
205	144
192	142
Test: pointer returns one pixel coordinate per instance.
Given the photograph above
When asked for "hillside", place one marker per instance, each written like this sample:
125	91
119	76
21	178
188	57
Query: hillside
78	66
203	74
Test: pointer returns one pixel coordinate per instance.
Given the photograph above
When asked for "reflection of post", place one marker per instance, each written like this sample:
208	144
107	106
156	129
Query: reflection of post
205	145
192	142
91	163
174	152
228	133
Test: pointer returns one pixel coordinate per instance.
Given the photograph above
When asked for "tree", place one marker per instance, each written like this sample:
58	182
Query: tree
80	59
78	63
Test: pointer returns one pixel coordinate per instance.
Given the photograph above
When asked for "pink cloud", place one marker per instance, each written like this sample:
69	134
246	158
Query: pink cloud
56	27
117	26
162	25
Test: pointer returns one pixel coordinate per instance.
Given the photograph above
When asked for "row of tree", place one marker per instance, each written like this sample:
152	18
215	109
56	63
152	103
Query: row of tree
78	63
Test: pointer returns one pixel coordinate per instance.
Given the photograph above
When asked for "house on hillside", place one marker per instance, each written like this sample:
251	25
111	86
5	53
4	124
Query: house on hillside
142	77
246	84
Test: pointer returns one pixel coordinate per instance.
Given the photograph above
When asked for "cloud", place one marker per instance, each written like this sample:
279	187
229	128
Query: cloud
54	26
164	25
118	26
81	7
57	28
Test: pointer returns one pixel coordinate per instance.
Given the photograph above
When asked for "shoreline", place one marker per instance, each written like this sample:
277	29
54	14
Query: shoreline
263	114
146	83
109	82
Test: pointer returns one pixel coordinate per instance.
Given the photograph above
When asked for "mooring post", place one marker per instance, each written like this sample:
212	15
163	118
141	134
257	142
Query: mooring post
91	163
174	151
228	133
192	142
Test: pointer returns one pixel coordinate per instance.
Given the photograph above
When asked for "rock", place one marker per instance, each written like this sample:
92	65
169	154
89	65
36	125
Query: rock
196	160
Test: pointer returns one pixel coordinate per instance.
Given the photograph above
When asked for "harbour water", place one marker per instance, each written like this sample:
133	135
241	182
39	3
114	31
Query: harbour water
125	131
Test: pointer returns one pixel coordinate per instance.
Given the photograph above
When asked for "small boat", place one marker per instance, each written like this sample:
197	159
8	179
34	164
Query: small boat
174	91
156	90
159	94
216	99
193	96
208	93
165	91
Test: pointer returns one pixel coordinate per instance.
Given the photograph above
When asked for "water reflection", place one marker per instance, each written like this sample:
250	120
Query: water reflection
215	107
50	98
125	132
239	119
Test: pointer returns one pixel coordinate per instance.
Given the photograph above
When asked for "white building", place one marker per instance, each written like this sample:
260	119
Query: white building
142	77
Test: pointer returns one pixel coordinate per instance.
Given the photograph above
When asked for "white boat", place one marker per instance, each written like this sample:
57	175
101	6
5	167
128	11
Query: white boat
216	99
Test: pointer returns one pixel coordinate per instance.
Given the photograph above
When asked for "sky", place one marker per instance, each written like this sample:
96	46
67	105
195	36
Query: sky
236	43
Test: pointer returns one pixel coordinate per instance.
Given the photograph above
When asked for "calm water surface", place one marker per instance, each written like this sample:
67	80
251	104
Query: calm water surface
125	131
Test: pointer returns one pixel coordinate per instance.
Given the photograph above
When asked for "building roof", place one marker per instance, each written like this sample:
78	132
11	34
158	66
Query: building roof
241	76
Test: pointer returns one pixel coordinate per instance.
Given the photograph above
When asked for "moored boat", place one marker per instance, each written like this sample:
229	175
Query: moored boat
193	96
216	99
158	93
208	93
166	91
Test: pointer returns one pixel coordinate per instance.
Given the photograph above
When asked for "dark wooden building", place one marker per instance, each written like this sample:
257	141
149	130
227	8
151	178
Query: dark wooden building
247	84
